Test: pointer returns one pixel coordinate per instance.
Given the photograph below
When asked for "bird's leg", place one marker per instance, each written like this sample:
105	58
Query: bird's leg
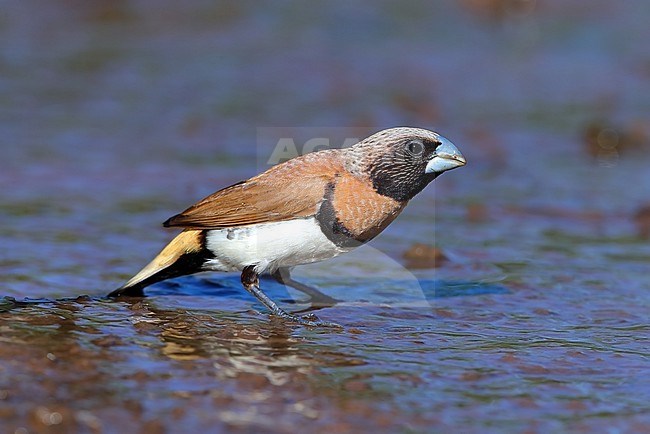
251	282
318	299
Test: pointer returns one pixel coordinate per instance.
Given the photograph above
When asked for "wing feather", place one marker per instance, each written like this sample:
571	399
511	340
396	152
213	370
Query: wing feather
289	190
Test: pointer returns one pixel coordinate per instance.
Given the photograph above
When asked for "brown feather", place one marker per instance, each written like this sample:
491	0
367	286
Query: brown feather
361	210
289	190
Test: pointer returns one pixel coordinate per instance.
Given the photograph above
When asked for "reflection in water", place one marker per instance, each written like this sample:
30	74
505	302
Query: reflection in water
267	348
153	360
104	348
235	348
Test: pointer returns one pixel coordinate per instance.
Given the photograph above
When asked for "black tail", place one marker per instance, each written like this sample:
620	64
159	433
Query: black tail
184	255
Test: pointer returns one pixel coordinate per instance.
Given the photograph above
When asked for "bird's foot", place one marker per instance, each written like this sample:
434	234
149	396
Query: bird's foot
309	319
250	280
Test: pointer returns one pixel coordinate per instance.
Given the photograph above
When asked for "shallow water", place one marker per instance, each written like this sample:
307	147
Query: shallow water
116	115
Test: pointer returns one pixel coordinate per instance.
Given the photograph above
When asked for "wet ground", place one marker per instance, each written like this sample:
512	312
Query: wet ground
116	115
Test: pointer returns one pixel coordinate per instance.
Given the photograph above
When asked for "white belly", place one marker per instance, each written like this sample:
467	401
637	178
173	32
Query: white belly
270	246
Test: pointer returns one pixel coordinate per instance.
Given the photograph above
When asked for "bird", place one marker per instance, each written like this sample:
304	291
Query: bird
307	209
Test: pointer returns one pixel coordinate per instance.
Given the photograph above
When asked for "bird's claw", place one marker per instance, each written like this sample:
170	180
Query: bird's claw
310	320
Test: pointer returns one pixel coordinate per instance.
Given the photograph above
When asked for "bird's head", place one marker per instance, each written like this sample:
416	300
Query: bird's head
400	162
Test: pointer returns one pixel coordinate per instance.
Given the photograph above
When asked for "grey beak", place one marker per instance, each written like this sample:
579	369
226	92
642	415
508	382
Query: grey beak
446	157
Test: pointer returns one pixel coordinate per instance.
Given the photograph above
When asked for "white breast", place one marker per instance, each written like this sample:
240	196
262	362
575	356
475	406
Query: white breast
269	246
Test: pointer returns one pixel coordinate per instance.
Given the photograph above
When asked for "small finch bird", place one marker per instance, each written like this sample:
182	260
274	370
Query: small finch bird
308	209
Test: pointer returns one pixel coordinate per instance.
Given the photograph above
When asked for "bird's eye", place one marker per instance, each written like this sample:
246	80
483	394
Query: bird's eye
415	147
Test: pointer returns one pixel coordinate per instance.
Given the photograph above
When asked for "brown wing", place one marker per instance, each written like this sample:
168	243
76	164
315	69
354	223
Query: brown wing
290	190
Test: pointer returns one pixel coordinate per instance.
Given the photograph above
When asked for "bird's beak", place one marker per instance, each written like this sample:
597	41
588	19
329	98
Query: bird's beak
446	157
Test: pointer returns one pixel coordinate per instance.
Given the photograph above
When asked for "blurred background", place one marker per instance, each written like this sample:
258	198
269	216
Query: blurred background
115	115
